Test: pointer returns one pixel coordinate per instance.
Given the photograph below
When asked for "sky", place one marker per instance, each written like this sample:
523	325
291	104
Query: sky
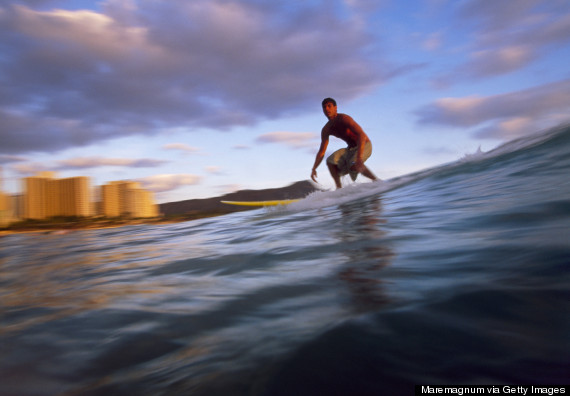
200	98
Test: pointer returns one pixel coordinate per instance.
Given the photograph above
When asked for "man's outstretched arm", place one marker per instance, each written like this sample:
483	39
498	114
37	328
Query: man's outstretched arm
320	156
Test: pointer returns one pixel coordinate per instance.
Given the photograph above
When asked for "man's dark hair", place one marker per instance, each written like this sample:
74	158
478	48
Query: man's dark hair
329	100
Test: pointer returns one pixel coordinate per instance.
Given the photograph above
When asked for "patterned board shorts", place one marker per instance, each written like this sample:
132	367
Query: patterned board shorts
346	157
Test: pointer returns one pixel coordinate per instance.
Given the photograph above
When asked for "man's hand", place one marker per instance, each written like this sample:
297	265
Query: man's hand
314	175
358	166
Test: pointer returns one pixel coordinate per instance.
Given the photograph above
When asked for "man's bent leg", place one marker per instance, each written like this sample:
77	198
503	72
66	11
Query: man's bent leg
368	173
335	174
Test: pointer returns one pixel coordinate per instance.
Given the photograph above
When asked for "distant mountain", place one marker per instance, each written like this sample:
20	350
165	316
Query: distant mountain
213	205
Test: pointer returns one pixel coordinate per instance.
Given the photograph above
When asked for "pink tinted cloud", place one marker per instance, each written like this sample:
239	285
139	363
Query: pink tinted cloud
291	139
507	115
169	182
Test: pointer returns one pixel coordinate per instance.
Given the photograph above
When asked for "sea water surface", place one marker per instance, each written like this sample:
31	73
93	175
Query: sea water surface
458	274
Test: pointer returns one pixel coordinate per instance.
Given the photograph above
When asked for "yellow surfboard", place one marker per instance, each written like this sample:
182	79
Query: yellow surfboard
262	203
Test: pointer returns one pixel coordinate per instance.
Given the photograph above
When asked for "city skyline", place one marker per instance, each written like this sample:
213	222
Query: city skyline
45	196
198	99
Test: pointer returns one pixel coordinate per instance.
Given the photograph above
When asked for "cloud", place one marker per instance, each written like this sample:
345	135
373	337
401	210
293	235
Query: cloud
500	60
295	140
23	133
432	42
169	182
72	78
86	163
364	5
30	168
95	162
215	170
511	114
508	36
182	147
508	129
497	16
6	159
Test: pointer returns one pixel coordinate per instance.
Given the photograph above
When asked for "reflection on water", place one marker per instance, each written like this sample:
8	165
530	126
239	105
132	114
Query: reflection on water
64	275
367	253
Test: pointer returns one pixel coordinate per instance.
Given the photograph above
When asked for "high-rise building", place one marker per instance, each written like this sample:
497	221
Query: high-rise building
16	203
36	196
110	200
10	208
73	196
4	205
4	209
45	196
127	198
141	203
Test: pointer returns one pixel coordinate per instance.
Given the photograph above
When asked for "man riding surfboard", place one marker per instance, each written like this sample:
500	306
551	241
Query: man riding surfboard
348	160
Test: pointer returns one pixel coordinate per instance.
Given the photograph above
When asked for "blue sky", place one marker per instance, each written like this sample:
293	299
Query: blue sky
198	98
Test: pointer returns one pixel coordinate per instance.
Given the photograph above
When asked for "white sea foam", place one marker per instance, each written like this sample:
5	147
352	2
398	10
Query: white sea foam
356	191
349	193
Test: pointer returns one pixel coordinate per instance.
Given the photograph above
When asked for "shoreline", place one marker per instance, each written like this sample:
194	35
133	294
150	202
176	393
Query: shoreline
66	228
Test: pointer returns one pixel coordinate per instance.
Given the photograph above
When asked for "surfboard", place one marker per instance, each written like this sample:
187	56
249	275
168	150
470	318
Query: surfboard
262	203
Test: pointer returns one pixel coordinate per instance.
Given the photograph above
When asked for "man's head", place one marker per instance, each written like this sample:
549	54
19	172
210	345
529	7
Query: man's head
329	100
329	108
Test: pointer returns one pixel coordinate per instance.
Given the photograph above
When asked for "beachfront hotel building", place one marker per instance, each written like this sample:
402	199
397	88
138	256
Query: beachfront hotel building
6	209
46	196
127	198
142	203
4	205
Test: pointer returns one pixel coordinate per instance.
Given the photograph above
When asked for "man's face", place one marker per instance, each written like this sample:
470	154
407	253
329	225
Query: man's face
329	109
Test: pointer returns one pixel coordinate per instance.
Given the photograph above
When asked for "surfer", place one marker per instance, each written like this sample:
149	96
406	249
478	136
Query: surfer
348	160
